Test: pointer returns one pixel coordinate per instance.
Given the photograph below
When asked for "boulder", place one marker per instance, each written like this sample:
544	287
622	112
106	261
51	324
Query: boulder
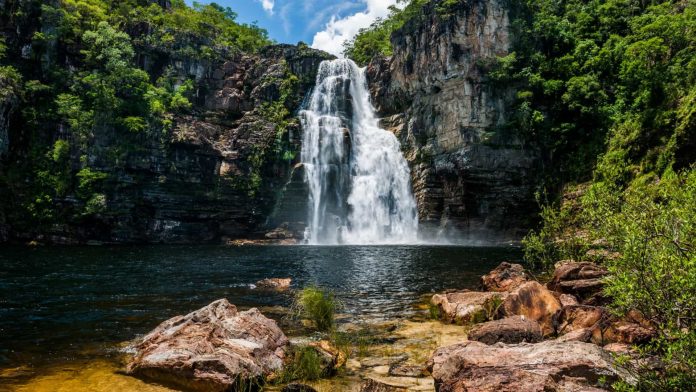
545	366
515	329
465	307
575	317
211	349
533	301
274	283
581	279
623	330
504	277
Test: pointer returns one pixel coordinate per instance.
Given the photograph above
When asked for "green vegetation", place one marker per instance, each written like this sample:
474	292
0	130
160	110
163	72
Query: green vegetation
375	40
607	90
305	364
319	306
95	87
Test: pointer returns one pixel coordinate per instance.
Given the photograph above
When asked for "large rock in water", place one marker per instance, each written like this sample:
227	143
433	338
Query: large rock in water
533	301
545	366
504	277
211	349
516	329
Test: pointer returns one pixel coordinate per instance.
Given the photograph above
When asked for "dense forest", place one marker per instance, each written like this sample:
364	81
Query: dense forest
607	91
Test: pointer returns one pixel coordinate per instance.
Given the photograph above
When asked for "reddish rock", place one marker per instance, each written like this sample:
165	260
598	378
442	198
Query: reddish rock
533	301
504	277
516	329
578	335
545	366
574	317
581	279
623	331
274	283
567	299
211	349
467	307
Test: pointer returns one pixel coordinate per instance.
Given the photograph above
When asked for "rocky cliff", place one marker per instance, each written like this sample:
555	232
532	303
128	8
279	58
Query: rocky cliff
473	178
210	173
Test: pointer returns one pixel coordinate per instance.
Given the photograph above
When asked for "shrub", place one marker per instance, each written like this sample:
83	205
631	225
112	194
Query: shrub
317	305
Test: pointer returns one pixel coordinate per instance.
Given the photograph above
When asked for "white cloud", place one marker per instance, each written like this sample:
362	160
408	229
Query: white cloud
339	30
267	5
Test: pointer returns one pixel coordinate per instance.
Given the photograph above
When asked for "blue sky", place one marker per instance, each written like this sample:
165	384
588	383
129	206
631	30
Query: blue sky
323	24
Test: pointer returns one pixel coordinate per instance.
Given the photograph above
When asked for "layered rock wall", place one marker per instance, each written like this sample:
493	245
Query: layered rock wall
472	177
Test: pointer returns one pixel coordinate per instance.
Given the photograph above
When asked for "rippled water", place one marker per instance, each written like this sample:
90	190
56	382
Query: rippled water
60	304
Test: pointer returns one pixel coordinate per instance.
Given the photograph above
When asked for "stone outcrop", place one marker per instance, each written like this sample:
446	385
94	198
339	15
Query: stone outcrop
575	317
505	277
581	279
545	366
211	349
533	301
516	329
465	307
471	176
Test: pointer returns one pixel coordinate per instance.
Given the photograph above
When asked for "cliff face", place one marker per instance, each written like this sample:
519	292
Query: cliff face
472	178
219	173
214	173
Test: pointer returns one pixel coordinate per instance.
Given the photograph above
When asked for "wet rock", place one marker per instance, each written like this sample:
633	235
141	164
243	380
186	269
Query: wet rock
211	349
575	317
274	283
465	307
533	301
297	387
504	277
581	279
545	366
516	329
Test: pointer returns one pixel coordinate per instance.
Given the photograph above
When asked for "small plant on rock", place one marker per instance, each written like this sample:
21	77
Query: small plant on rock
317	305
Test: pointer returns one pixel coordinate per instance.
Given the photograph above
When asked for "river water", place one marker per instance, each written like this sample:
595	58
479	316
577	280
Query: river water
74	303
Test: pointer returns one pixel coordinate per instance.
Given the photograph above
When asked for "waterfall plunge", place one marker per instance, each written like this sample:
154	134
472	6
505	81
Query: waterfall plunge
359	181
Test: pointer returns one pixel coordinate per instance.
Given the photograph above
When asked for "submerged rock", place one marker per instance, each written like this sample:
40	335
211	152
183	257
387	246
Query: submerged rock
466	307
545	366
214	348
516	329
274	283
533	301
504	277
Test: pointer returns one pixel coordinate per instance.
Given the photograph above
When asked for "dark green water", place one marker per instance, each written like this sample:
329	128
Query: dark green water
59	304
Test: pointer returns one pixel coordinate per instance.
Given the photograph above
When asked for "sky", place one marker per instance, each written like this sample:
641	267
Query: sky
323	24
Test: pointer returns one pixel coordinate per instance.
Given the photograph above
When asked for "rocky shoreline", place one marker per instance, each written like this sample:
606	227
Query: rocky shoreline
516	334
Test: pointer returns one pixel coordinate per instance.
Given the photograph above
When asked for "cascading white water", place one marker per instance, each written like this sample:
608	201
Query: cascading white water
359	181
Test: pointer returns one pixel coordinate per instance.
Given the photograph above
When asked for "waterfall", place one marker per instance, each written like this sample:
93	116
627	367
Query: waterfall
358	180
